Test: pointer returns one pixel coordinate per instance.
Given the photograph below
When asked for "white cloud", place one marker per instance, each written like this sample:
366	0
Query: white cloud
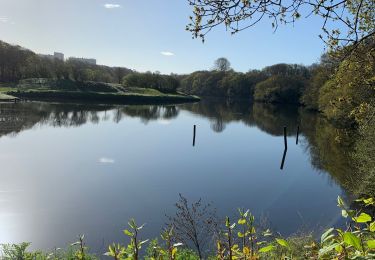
105	160
4	19
167	53
112	6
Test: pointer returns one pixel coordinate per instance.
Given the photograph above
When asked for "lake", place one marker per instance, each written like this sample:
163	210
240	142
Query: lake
87	169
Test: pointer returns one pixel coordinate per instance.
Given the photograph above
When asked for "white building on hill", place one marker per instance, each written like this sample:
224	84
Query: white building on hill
83	60
56	55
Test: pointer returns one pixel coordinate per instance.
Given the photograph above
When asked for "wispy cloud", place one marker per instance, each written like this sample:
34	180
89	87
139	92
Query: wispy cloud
105	160
4	19
167	53
112	6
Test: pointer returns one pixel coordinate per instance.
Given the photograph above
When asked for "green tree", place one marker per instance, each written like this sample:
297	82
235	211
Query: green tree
352	86
344	22
279	89
222	64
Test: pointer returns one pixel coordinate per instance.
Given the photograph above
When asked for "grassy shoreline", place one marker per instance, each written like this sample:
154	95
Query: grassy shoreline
88	92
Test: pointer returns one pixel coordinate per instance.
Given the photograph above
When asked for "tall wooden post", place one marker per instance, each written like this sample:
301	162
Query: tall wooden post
194	133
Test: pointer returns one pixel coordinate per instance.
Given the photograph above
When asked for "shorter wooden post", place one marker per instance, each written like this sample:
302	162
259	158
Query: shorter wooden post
283	160
297	134
285	139
194	133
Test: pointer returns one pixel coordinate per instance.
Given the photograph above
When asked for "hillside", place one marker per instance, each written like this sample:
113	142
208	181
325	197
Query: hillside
94	92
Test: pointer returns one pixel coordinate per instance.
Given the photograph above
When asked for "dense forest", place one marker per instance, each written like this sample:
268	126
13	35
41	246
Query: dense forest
341	86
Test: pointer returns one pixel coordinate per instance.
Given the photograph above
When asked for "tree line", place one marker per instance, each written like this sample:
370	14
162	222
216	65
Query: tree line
280	83
340	86
17	63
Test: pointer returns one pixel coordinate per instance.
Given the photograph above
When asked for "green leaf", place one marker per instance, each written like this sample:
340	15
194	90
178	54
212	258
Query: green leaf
325	235
339	248
282	242
372	227
340	202
327	249
371	244
128	233
241	221
266	249
369	201
347	213
227	223
363	218
252	231
353	240
239	234
132	224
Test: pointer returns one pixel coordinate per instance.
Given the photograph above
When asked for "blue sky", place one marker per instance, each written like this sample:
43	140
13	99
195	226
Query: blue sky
150	35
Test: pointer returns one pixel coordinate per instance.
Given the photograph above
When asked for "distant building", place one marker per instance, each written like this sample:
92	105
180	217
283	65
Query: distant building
59	56
83	60
56	55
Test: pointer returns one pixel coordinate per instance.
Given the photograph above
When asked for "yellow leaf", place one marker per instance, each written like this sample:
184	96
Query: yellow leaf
174	251
246	250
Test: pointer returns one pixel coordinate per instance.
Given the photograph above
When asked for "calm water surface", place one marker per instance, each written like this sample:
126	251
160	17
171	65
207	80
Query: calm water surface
80	169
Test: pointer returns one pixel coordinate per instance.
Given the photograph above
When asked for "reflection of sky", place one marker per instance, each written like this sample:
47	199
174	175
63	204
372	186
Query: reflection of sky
60	182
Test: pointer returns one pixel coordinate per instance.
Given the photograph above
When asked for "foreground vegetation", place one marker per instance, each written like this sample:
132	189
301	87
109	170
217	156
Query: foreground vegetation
193	225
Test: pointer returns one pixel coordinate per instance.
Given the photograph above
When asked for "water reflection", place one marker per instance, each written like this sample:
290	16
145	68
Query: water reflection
87	169
328	146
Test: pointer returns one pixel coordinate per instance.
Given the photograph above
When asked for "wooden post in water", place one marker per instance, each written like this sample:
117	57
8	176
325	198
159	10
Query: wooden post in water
285	140
194	133
283	160
297	134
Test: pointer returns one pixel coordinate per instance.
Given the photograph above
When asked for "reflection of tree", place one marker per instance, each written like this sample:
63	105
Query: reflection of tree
170	112
272	119
340	152
268	118
221	112
15	118
217	125
363	156
330	148
149	113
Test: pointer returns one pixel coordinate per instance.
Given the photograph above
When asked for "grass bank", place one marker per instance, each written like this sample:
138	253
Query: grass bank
89	92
